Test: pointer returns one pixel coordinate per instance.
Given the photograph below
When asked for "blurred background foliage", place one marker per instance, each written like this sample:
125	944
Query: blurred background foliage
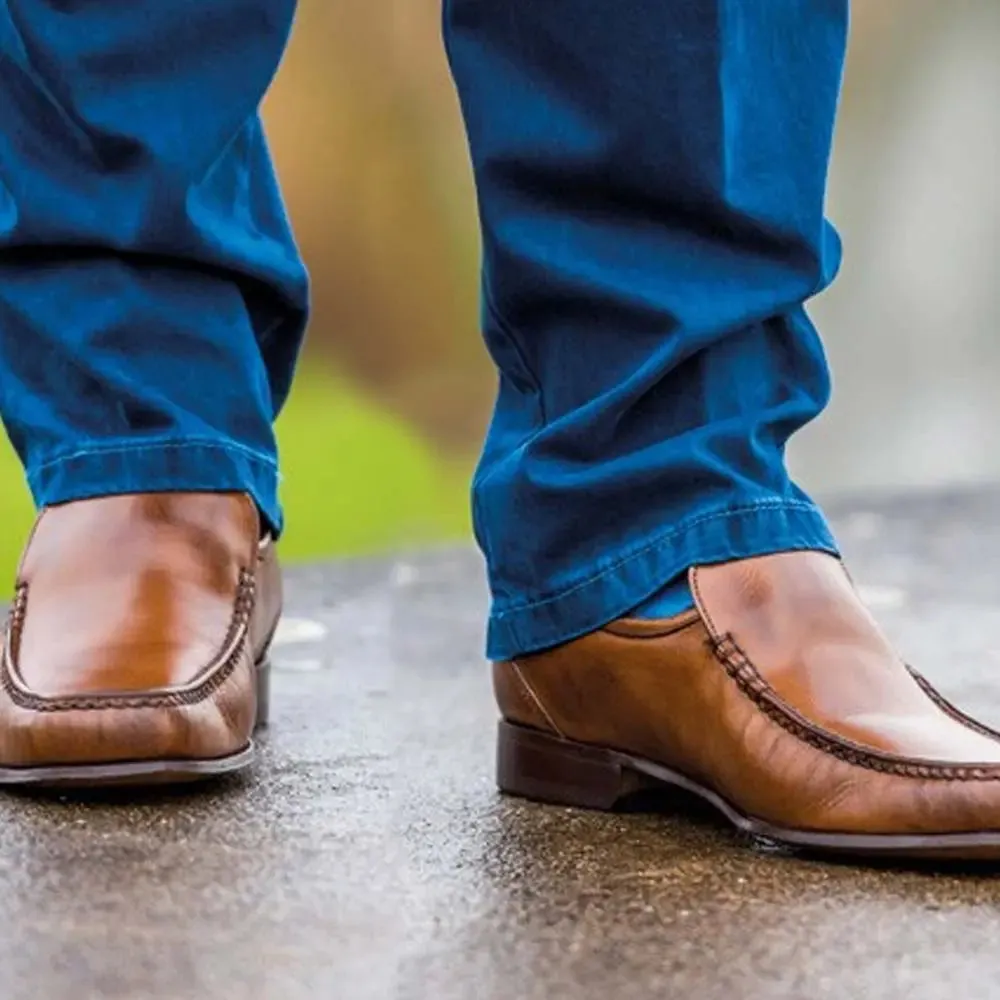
385	421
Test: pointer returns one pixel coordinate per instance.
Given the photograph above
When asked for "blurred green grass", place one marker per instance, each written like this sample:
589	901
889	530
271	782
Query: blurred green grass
356	480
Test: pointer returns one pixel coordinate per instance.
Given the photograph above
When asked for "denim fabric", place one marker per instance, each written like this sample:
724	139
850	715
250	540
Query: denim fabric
151	297
673	598
651	177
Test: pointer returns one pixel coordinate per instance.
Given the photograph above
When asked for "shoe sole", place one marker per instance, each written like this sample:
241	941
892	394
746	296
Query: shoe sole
141	773
543	768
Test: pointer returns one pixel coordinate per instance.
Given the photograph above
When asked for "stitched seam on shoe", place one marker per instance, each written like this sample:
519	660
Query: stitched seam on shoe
950	710
519	673
750	682
521	702
237	636
654	630
693	581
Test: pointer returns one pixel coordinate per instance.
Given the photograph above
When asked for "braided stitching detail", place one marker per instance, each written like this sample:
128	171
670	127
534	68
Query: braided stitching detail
236	640
753	685
949	709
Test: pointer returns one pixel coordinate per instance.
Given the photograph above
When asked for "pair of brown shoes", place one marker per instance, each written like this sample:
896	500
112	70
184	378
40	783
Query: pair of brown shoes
136	652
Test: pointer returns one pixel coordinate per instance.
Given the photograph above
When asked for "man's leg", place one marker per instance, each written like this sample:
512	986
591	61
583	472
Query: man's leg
651	178
151	297
151	308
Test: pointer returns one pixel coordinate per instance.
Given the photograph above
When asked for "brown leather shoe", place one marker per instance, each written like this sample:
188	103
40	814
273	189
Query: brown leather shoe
135	649
778	700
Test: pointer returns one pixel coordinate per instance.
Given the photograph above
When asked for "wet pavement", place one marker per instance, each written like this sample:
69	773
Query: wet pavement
369	857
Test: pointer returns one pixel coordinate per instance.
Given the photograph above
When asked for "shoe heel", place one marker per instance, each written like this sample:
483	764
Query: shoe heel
262	674
535	765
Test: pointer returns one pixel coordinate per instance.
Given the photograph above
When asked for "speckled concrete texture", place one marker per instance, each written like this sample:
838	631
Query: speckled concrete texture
369	858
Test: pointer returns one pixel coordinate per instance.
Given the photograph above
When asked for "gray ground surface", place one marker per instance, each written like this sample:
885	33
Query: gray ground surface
369	857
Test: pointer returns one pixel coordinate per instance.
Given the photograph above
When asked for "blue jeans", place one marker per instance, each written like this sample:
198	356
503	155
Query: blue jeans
651	179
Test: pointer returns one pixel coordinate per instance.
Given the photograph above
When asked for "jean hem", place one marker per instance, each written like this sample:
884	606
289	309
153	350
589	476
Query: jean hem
633	577
163	466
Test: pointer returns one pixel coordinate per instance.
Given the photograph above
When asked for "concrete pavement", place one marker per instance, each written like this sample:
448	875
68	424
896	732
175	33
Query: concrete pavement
369	858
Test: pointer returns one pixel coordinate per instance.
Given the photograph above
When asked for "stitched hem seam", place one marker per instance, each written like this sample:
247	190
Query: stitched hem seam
159	465
148	444
656	541
631	577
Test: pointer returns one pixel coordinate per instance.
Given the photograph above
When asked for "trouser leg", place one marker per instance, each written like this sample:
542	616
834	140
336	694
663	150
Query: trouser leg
152	300
651	182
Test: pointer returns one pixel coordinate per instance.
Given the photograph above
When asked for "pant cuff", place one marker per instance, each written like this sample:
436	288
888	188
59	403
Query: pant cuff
629	578
160	467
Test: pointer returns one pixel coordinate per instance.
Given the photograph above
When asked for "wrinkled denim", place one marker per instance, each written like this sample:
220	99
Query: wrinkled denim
651	181
151	297
651	178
